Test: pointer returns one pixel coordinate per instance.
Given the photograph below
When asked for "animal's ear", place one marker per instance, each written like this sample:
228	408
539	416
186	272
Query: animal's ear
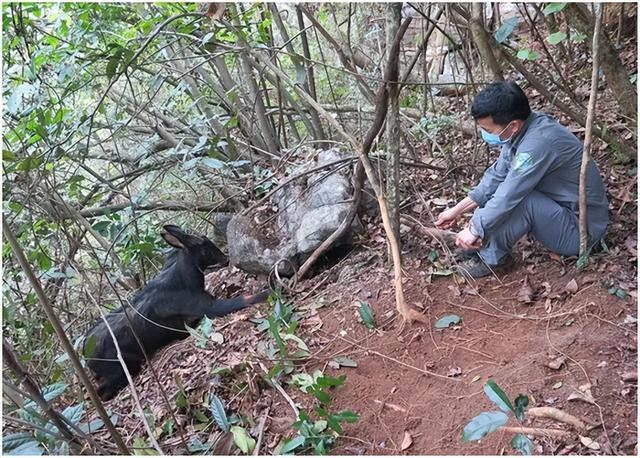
174	236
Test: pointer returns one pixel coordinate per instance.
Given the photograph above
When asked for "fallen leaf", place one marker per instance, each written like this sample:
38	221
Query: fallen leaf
475	379
526	292
547	288
406	441
455	290
630	376
551	400
589	443
631	244
555	257
572	286
557	385
583	393
439	202
602	364
547	305
454	372
556	363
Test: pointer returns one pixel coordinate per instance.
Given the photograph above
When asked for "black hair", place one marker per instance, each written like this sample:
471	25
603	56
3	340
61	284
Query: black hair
504	101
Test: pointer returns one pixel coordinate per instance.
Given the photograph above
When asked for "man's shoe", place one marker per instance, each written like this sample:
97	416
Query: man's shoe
477	268
463	255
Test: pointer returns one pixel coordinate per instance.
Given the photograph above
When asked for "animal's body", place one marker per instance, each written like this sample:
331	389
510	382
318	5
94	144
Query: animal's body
159	311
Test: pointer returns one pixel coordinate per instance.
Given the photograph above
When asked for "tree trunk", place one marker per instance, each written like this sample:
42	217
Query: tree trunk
588	135
613	68
393	126
481	40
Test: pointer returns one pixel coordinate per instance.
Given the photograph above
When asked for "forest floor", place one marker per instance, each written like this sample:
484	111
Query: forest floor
562	337
567	339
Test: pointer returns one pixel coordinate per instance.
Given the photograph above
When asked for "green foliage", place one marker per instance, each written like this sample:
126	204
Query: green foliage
43	434
556	38
446	321
553	8
506	29
219	415
318	435
367	315
487	422
527	54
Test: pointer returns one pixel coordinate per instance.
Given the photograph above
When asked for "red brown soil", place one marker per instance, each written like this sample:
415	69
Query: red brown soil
499	338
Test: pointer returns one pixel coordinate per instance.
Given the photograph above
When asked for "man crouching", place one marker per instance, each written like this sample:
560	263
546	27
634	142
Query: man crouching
531	188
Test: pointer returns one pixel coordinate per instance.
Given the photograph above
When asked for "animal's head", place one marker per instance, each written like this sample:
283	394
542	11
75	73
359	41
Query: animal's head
197	248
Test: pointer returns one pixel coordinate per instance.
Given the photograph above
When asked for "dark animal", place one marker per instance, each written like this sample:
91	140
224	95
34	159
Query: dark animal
160	310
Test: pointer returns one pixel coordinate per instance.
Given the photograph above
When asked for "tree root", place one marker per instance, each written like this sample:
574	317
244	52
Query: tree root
535	431
559	415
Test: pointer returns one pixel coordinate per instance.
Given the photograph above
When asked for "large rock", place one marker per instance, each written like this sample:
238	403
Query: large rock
309	210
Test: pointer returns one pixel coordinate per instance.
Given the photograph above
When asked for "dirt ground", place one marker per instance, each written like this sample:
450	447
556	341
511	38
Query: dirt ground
419	381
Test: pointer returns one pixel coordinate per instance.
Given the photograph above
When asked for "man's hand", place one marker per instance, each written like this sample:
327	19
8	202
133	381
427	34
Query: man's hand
447	218
467	241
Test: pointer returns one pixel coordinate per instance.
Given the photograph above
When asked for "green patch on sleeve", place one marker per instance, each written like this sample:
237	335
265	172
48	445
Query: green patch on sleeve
522	162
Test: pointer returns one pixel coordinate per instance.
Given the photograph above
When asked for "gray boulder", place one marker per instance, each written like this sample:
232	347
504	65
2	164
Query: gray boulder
309	210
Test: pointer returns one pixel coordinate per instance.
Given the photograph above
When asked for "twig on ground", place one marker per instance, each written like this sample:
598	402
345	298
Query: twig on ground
263	420
281	390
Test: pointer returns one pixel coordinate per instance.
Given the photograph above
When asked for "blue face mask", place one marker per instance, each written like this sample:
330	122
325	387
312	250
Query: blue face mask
494	139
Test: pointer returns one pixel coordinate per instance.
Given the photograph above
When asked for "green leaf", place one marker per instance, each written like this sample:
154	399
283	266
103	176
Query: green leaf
292	444
219	415
497	396
319	426
112	67
140	447
521	403
447	321
522	444
53	391
330	382
482	425
578	37
15	440
527	54
30	448
74	413
556	38
8	155
242	440
91	427
367	315
553	8
347	415
90	346
506	29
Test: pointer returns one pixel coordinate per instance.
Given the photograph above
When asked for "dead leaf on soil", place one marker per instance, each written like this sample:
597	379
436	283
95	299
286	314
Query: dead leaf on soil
583	393
555	257
631	244
556	363
406	441
572	286
547	288
526	292
589	443
454	372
